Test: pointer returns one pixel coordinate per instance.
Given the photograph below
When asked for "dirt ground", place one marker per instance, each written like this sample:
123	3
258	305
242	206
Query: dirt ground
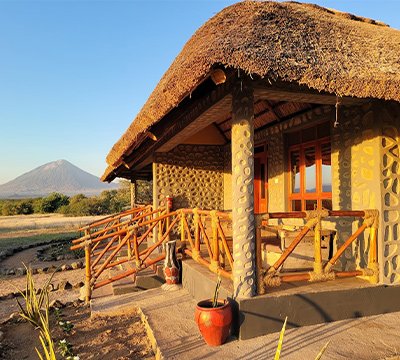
108	338
122	337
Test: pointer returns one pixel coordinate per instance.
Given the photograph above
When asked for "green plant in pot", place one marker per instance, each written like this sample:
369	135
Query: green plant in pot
214	318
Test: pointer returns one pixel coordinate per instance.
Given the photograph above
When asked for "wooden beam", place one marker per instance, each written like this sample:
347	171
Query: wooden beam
177	120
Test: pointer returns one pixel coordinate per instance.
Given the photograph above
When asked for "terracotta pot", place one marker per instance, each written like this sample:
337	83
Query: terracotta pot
214	323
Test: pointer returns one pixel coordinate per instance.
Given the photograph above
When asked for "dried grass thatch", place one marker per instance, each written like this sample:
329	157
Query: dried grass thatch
323	49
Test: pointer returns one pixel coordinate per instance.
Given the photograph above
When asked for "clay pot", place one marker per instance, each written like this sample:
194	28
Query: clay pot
214	323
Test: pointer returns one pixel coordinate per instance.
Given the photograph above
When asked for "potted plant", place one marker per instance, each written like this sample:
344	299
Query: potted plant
214	318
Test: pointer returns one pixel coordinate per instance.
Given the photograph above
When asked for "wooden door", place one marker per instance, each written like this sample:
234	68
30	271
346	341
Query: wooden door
260	180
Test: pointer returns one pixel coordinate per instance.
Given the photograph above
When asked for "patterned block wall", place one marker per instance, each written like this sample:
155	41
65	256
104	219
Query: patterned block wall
389	117
356	176
192	175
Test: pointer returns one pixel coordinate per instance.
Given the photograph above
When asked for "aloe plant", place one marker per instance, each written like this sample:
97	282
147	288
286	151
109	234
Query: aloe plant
45	338
34	300
216	292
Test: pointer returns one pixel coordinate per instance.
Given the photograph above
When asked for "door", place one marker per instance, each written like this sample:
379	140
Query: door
260	180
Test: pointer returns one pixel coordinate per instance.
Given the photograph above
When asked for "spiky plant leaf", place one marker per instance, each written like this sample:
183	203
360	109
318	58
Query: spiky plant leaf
322	351
280	342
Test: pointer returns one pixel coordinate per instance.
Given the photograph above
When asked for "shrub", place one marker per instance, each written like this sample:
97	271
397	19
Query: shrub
53	202
24	207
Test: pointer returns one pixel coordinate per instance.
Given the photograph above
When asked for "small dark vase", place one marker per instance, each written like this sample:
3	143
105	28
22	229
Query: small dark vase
214	322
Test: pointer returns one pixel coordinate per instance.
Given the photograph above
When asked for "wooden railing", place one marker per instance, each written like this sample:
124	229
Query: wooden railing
321	272
206	237
217	255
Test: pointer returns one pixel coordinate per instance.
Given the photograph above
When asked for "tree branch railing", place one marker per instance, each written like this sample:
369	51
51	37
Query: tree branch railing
128	237
321	272
220	259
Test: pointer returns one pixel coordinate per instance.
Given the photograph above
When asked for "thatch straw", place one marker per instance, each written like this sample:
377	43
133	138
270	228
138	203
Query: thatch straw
323	49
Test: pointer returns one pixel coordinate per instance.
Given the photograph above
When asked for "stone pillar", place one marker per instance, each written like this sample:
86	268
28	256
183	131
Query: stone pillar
243	223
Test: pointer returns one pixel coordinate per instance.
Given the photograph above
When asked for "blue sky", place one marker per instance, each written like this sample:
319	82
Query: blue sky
73	74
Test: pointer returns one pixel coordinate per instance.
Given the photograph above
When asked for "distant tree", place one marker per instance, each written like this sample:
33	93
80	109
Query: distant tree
53	202
24	207
8	208
144	192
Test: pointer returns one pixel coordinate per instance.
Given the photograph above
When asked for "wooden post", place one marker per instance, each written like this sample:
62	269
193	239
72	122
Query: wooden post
196	219
317	248
244	265
88	289
373	251
133	193
168	208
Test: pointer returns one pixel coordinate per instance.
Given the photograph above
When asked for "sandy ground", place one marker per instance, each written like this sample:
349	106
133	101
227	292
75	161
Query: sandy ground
122	337
108	338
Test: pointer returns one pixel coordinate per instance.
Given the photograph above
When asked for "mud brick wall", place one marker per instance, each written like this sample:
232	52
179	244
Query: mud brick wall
192	175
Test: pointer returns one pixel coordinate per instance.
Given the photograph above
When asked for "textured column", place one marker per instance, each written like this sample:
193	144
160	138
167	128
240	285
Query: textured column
244	269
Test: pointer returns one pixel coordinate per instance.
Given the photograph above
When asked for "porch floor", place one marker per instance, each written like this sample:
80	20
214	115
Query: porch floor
169	319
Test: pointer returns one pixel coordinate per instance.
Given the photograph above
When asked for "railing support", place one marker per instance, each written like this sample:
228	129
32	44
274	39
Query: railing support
88	286
317	247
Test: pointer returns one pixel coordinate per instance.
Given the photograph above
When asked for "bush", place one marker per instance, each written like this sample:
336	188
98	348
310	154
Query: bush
24	207
53	202
8	208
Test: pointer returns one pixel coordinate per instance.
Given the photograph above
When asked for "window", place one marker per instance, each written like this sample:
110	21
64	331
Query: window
310	169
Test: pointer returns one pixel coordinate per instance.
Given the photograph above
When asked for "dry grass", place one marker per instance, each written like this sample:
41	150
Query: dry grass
25	229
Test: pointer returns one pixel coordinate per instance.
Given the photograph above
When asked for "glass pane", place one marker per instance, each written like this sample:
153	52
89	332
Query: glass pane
295	171
311	204
310	170
262	175
326	167
327	204
296	205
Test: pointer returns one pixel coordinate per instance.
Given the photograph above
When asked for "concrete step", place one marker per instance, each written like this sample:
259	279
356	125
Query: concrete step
146	279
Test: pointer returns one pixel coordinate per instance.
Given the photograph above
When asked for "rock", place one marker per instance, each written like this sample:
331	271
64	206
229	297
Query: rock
1	336
51	269
74	266
8	296
14	315
56	304
82	293
17	294
34	271
65	285
56	286
76	303
10	272
65	267
59	258
79	284
20	271
80	265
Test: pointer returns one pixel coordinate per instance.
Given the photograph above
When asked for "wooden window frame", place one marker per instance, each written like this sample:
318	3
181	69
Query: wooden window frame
318	195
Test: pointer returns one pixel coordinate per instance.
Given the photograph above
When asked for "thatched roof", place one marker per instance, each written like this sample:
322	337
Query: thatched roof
323	49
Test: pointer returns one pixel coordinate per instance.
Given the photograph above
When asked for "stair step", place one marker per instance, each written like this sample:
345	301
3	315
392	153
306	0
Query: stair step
146	279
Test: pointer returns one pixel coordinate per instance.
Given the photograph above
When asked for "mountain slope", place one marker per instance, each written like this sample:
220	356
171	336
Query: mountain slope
57	176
